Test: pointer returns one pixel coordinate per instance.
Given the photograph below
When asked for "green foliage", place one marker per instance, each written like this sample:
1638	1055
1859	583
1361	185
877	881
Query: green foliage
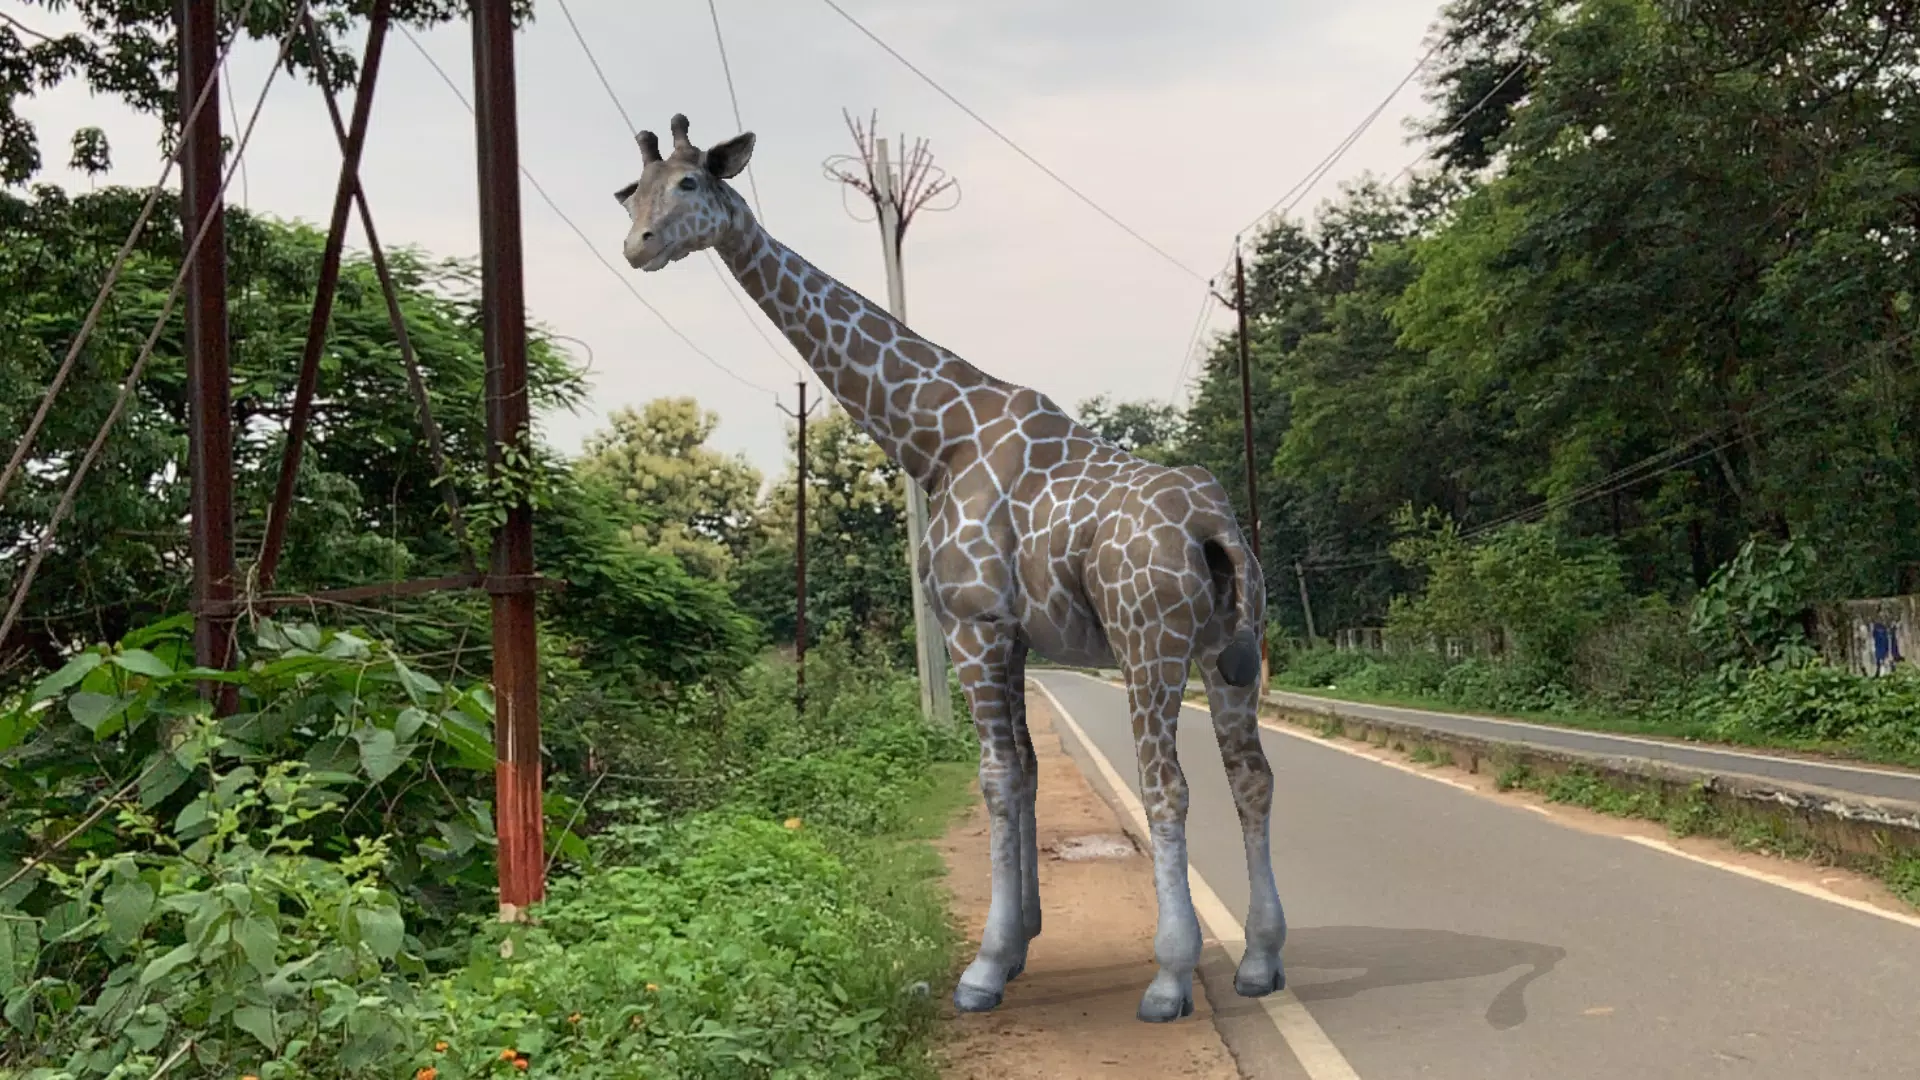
1148	429
263	907
1657	294
1752	611
1819	705
1522	588
676	494
367	505
736	948
406	756
857	581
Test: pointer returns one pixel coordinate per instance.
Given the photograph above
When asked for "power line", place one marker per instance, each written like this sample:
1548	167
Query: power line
738	124
1417	159
92	455
627	119
1299	190
1076	192
597	70
588	241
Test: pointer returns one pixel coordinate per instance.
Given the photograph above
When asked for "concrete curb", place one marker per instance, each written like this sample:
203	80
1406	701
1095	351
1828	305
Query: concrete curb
1837	821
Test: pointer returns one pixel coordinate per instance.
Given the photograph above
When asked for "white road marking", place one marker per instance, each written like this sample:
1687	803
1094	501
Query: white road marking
1800	887
1663	846
1302	1033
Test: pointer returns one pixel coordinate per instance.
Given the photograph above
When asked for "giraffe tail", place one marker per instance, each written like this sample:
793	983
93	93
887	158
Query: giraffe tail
1235	577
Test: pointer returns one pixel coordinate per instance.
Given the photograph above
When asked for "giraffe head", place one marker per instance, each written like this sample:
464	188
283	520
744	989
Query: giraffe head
682	202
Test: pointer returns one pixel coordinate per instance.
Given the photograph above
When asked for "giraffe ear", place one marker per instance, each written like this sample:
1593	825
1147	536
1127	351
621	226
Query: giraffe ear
726	160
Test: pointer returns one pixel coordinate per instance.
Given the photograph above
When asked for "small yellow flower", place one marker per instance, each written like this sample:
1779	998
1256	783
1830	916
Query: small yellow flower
653	988
440	1047
793	823
574	1019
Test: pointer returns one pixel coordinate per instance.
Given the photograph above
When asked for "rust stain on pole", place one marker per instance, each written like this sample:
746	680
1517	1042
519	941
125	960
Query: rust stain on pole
322	315
516	731
209	390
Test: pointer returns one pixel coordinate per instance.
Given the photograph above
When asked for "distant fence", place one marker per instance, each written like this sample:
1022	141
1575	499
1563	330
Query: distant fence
1866	637
1374	639
1869	637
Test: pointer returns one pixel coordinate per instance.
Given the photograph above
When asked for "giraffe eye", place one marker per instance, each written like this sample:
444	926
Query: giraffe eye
689	184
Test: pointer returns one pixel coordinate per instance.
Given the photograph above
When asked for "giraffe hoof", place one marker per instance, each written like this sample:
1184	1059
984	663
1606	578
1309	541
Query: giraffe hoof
969	999
1165	1012
1258	986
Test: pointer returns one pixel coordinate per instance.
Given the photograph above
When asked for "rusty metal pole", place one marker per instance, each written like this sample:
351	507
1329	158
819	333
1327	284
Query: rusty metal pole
516	731
322	314
1246	427
800	559
209	402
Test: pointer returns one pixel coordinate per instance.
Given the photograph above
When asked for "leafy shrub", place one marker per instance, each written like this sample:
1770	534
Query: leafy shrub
1818	703
220	943
1524	585
1750	613
741	949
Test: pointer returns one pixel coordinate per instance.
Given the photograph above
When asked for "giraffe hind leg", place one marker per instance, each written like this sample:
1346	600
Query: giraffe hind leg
1028	793
1154	690
1237	728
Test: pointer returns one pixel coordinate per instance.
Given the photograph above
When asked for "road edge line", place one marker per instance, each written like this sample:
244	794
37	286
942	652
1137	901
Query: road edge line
1303	1035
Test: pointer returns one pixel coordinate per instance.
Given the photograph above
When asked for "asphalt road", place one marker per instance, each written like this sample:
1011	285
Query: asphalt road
1855	779
1438	933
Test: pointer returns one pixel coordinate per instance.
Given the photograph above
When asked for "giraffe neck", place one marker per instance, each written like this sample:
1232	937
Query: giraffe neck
894	383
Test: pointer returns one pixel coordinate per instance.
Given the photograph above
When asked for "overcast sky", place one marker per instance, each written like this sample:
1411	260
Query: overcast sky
1184	120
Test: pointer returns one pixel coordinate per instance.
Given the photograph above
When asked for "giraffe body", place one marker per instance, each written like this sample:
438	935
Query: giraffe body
1041	538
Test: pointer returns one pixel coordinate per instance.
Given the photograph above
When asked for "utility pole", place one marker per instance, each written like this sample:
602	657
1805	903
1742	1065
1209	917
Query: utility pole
895	199
503	319
1306	604
800	553
209	377
1239	307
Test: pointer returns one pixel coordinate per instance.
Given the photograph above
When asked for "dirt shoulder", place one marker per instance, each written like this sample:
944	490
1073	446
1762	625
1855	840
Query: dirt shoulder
1072	1013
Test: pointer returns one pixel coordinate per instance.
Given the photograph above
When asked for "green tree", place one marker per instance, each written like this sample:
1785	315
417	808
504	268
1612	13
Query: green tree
1150	429
676	494
857	575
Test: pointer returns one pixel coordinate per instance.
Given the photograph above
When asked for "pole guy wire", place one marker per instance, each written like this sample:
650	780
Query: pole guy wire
92	320
588	241
1015	147
85	465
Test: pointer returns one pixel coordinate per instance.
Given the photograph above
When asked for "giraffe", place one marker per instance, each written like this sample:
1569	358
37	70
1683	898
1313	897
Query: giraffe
1041	538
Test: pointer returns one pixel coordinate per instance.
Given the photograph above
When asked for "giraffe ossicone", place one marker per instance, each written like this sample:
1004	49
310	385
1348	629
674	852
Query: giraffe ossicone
1041	537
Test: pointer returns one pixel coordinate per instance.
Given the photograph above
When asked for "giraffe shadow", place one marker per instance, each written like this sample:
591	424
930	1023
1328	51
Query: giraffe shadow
1389	957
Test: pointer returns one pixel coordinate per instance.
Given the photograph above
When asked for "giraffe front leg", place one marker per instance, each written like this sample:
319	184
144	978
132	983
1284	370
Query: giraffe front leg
983	656
1154	691
1236	727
